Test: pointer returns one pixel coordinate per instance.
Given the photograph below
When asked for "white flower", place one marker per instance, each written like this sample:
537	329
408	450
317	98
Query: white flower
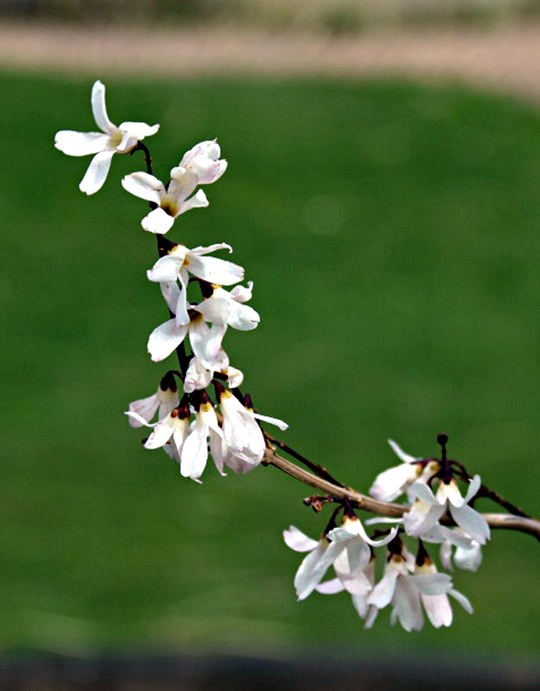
104	144
467	552
199	166
235	377
202	162
428	509
224	307
199	377
346	548
360	602
389	484
357	553
313	568
243	444
205	341
171	430
194	454
356	578
187	443
182	261
469	558
407	587
162	402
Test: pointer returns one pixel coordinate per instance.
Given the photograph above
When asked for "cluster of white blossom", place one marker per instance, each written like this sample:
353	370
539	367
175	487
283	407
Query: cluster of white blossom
409	583
187	423
204	297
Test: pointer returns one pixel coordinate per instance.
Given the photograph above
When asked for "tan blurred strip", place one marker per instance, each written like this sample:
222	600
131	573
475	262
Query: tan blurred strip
505	59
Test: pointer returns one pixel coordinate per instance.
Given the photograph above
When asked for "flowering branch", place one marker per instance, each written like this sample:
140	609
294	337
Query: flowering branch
513	521
201	412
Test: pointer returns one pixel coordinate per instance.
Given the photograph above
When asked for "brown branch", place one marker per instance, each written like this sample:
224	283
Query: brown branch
319	470
530	526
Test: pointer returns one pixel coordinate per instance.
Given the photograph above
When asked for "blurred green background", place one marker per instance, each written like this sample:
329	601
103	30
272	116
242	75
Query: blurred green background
392	231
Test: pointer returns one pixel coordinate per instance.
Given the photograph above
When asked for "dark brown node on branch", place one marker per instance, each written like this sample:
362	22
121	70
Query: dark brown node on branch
318	503
442	439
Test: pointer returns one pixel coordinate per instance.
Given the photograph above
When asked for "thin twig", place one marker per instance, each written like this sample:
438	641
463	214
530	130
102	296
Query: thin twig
318	469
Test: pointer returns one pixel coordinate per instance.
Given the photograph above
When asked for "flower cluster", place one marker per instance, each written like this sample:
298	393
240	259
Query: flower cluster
409	584
184	420
198	410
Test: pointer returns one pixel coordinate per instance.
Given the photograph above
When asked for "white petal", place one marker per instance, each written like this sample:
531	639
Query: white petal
407	606
158	222
214	270
445	555
197	376
474	486
354	527
209	148
80	143
195	451
145	407
382	519
141	422
361	606
168	401
315	565
455	536
463	601
206	343
358	554
383	592
421	518
127	143
214	310
144	186
171	293
241	432
299	541
206	169
396	448
359	585
437	609
424	493
138	130
97	172
99	108
163	431
217	451
241	293
208	249
239	465
370	615
468	558
182	305
165	270
432	583
235	377
242	317
164	339
449	492
271	420
330	587
472	522
212	173
181	431
392	482
198	201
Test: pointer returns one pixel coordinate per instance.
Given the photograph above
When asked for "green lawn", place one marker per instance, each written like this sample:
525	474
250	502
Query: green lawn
393	234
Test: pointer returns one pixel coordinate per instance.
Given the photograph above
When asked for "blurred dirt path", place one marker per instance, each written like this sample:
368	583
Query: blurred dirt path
504	59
